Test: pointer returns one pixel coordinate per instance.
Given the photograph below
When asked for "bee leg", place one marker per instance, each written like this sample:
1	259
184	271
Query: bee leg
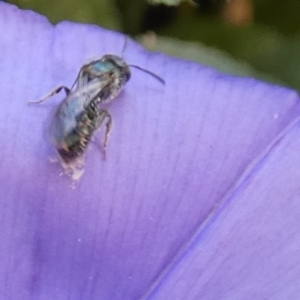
52	93
104	114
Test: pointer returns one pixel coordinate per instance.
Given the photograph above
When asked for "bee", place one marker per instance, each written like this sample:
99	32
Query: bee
80	114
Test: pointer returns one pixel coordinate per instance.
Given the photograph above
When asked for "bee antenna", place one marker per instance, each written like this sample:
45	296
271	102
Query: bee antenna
150	73
124	46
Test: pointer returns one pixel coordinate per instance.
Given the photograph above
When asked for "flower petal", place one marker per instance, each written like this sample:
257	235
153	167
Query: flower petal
177	156
250	248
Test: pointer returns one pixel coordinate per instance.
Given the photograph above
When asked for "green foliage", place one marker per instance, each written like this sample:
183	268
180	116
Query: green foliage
198	52
282	16
265	49
166	2
102	12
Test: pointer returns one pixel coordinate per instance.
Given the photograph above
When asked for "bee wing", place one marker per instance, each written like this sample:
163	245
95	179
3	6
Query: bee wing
90	90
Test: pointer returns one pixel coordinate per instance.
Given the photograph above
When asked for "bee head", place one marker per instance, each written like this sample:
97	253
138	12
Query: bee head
119	63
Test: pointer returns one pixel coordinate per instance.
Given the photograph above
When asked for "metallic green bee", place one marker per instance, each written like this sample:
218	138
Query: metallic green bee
80	114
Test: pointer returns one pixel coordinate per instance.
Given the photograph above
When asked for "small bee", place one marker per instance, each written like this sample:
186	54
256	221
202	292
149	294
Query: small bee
79	115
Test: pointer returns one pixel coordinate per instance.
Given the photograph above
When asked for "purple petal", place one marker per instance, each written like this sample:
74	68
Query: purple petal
250	248
196	200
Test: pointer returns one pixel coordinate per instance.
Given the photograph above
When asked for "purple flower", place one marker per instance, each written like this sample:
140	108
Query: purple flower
199	197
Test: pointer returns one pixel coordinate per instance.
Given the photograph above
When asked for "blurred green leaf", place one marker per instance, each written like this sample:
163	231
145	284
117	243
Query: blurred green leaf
203	54
266	50
282	16
166	2
132	13
102	12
